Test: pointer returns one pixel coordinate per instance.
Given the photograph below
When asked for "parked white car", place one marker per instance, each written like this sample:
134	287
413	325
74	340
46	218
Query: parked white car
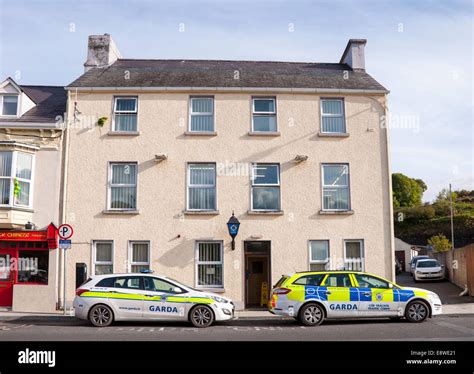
414	260
428	269
134	297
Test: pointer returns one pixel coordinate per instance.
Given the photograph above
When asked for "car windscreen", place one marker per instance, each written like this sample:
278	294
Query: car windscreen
427	264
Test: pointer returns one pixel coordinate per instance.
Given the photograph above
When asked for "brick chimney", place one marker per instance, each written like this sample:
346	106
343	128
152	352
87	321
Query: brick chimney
101	52
354	54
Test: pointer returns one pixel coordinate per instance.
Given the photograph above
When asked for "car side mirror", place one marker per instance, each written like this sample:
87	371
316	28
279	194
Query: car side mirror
177	290
442	266
390	285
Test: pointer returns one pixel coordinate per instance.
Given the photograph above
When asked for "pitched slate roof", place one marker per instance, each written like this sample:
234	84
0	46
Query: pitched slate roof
50	102
220	73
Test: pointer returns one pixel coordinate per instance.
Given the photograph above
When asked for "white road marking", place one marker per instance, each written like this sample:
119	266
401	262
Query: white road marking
452	326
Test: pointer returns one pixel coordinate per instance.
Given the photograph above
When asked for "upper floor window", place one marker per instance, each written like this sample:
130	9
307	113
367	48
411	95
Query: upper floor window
264	114
9	105
16	174
332	116
202	187
122	186
201	114
265	187
125	114
336	187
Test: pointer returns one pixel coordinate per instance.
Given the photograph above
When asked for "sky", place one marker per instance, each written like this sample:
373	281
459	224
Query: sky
422	51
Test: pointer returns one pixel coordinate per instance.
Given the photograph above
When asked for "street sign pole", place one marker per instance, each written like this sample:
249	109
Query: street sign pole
65	280
65	233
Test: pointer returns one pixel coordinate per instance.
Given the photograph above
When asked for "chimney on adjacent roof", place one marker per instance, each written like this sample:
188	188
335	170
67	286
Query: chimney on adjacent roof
354	55
101	52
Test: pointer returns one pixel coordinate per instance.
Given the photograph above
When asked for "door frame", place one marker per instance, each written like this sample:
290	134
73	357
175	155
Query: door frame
12	252
247	255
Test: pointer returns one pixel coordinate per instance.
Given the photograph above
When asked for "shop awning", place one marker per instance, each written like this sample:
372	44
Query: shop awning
49	235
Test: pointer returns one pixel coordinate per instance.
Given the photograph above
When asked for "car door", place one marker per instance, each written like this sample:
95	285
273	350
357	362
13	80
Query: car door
125	295
342	298
164	300
377	296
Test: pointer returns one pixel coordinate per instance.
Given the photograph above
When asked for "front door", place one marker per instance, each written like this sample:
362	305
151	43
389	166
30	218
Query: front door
400	255
257	274
7	277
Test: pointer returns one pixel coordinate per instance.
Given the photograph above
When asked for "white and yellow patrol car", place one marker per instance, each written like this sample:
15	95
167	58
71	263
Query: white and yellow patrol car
134	297
312	297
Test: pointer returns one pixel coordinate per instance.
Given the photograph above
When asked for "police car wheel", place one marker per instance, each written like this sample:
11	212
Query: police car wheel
417	311
101	316
201	316
311	315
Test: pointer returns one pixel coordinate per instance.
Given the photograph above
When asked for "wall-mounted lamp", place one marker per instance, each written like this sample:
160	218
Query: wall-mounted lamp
161	157
233	226
301	158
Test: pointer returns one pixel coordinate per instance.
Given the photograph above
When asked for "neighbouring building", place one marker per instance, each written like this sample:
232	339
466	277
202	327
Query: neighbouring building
162	152
404	252
30	180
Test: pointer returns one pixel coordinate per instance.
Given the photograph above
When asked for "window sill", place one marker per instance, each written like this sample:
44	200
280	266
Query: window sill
200	133
333	134
210	289
121	212
29	210
336	212
264	133
124	133
265	212
202	212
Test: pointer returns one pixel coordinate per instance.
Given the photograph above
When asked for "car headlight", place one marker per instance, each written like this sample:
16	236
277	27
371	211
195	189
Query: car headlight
418	272
432	296
218	299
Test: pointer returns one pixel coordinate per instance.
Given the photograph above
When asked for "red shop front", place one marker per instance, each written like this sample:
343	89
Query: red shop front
24	259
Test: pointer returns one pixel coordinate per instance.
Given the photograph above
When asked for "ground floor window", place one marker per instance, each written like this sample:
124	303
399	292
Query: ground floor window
209	263
33	266
354	255
103	257
318	255
139	256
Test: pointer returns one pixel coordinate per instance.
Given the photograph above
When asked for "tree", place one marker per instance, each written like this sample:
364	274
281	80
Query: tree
422	184
440	243
407	192
443	195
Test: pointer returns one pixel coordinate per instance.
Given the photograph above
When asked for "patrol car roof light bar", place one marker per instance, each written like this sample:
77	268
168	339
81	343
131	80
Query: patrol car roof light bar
233	226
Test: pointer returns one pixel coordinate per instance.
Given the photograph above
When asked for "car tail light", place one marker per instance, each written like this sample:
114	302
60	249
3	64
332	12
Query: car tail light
281	291
80	291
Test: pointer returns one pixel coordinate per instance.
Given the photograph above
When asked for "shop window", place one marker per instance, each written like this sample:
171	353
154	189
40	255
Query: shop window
33	266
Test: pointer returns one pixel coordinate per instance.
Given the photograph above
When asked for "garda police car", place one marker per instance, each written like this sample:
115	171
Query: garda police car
120	297
311	297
